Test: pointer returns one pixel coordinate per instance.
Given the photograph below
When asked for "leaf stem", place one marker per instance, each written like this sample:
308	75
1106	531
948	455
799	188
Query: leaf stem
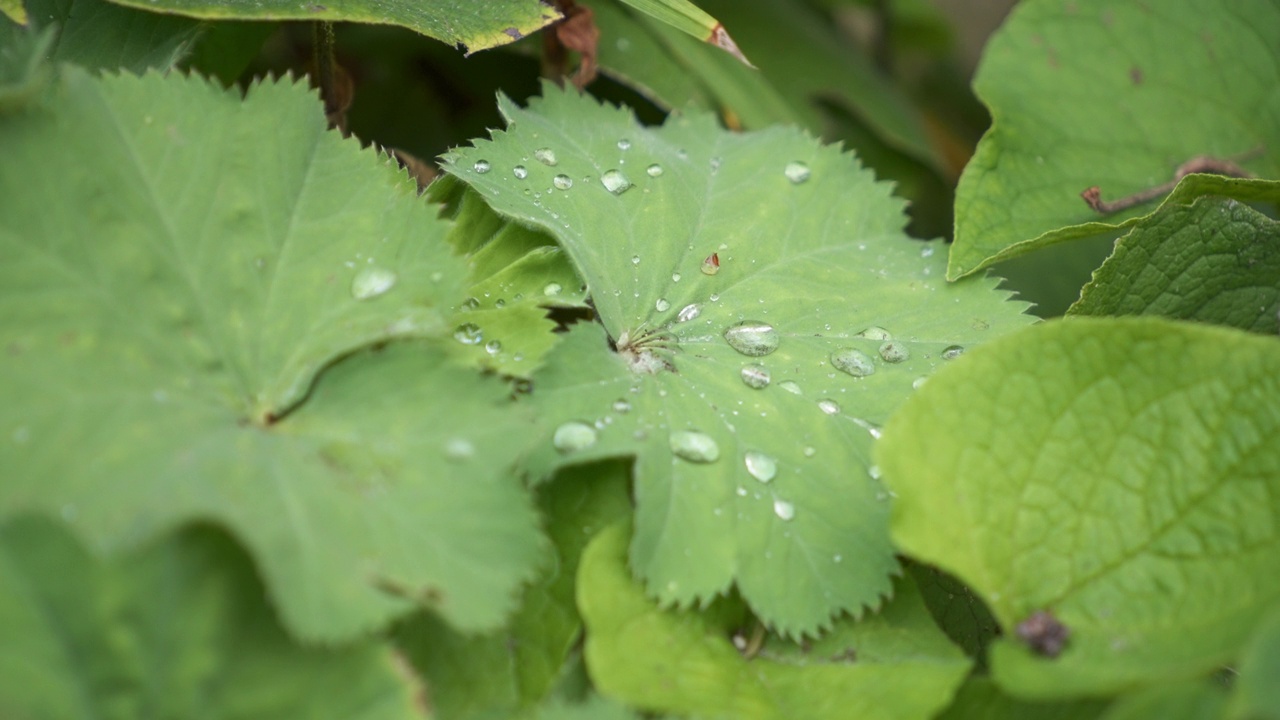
1198	164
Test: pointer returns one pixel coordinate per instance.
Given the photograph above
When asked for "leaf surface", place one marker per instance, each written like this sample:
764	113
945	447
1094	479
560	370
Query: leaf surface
98	35
818	256
180	628
1256	695
1118	96
895	664
980	699
1215	260
179	266
1121	475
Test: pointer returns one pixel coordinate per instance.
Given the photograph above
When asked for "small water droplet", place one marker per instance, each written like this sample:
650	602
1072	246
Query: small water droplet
675	277
662	305
621	406
458	449
919	382
546	156
810	451
873	471
952	352
755	376
711	265
551	289
371	282
760	466
493	347
481	166
624	144
562	182
499	303
715	297
872	429
689	312
837	558
694	446
654	170
926	251
875	332
790	386
470	303
574	436
830	407
894	352
796	172
784	510
468	334
520	172
635	259
853	362
752	338
615	182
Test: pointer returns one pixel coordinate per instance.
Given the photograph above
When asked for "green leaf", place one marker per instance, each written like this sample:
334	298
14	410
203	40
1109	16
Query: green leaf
470	25
98	35
1183	701
691	20
24	72
14	10
179	265
1093	93
1257	696
894	664
955	608
979	699
180	628
1118	474
819	256
509	673
1215	260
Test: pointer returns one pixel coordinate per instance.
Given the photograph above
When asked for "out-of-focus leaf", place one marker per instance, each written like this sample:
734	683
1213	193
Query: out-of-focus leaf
979	699
14	10
24	70
98	35
1257	692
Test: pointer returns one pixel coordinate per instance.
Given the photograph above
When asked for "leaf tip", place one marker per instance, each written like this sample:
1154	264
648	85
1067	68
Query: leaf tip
721	39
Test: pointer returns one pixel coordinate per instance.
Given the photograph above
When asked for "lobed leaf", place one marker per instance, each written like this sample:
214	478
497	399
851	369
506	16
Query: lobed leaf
1120	475
1095	93
179	266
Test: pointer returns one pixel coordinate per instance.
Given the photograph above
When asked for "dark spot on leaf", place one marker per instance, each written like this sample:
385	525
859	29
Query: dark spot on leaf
513	33
1135	74
1044	634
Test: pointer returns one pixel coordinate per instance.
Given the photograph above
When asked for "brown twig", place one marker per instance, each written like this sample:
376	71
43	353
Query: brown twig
1198	164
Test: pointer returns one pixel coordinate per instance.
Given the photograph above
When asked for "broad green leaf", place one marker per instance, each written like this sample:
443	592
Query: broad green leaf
979	699
1215	260
98	35
894	664
1119	474
180	629
466	23
1182	701
509	673
179	264
807	242
1114	95
1257	695
14	10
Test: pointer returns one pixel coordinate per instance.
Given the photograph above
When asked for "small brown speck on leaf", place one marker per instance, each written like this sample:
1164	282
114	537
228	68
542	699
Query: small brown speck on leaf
1135	74
1044	633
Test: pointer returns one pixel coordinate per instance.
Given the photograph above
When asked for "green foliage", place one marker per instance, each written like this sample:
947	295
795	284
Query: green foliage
98	35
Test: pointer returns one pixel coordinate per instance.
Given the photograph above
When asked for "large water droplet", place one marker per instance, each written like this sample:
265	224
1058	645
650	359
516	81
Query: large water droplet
711	265
481	166
574	436
689	312
875	332
662	305
654	170
546	156
468	334
894	352
615	182
790	386
694	446
853	362
830	407
752	338
371	282
796	172
760	466
952	352
520	172
755	376
552	289
493	347
562	182
784	510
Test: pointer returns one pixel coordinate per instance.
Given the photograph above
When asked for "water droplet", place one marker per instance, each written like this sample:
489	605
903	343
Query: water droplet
790	386
468	334
711	265
875	332
624	144
715	297
459	449
894	352
873	471
752	338
810	451
694	446
853	362
796	172
621	406
574	436
493	347
784	510
830	407
675	277
481	166
872	429
760	466
952	352
499	303
551	289
371	282
919	382
635	259
654	170
615	182
546	156
662	305
689	312
470	303
755	376
520	172
562	182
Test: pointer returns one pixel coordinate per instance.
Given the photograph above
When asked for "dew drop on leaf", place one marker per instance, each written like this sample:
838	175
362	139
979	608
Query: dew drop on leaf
574	436
875	332
784	509
696	447
654	170
468	334
662	305
894	352
755	376
689	312
562	182
520	172
371	282
624	144
615	182
621	406
810	451
635	259
481	166
470	303
752	338
830	407
796	172
711	265
790	386
551	289
853	362
493	347
952	352
760	466
546	156
459	449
